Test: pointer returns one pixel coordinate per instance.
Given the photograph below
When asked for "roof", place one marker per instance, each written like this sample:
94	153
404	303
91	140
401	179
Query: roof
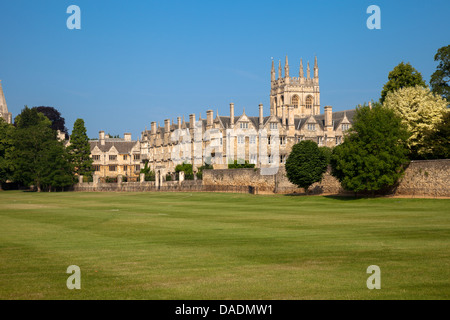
122	146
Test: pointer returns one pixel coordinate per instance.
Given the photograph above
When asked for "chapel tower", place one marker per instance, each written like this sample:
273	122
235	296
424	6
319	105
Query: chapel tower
300	92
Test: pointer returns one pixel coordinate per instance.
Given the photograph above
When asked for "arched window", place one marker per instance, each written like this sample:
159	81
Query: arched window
309	102
295	100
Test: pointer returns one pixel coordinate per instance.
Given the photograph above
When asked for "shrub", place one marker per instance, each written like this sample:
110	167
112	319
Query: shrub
237	165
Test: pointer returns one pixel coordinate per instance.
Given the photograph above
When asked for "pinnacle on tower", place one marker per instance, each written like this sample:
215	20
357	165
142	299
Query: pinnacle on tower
308	72
279	70
301	69
272	73
316	68
286	68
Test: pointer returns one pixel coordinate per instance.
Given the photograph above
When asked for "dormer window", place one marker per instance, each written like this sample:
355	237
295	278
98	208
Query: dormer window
273	125
311	126
244	125
345	127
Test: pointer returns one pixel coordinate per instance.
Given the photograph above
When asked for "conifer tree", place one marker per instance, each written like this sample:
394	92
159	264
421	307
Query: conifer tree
80	150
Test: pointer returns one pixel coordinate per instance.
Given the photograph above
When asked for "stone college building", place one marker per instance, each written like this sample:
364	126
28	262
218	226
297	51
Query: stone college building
295	115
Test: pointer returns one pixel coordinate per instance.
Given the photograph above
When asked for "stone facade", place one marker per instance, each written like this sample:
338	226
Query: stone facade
7	116
294	116
115	157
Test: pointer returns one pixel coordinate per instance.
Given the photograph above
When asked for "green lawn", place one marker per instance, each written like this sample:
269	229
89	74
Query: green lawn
221	246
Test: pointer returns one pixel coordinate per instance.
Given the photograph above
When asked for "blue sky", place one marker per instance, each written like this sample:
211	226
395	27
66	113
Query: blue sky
134	62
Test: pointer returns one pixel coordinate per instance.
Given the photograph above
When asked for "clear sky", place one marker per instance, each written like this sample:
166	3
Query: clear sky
136	61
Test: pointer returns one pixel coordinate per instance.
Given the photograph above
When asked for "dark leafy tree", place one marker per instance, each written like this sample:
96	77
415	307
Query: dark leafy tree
6	147
440	79
374	153
58	122
80	150
403	75
438	140
59	173
327	151
38	156
306	164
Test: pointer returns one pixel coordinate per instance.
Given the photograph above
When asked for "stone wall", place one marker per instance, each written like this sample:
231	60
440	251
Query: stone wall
277	183
187	185
422	178
428	178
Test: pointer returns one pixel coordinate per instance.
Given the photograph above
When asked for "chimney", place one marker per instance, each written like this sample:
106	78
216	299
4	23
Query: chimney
209	118
328	116
101	138
179	122
370	105
153	128
231	115
127	136
191	121
261	115
167	125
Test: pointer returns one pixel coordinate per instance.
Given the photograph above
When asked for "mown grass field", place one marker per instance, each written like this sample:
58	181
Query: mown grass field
221	246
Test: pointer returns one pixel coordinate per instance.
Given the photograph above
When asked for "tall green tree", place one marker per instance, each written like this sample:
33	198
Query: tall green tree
38	156
59	173
374	153
80	150
403	75
438	140
6	147
440	79
306	164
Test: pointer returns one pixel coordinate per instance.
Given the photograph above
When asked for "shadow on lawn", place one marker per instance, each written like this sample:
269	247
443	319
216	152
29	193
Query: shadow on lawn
342	197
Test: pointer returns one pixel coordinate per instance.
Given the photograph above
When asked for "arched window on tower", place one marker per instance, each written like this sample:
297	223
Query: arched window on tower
295	101
309	102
